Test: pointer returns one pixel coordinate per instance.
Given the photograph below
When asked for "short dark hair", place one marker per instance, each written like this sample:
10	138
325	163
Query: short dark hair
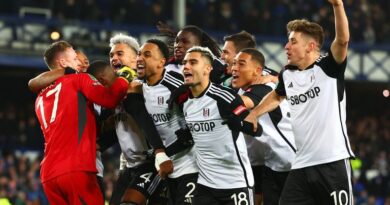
97	67
311	29
161	46
241	40
255	55
51	52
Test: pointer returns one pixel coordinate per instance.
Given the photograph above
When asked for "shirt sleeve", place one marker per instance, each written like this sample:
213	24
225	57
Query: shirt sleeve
280	89
331	67
134	104
257	92
96	93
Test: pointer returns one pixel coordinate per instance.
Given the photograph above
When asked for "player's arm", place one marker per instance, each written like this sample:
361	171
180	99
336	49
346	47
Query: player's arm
254	95
268	103
44	79
95	92
134	104
339	46
248	102
234	114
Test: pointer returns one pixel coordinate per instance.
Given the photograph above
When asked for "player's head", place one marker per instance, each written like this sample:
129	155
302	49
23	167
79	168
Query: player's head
247	67
84	62
151	59
103	72
59	55
234	44
304	38
197	65
123	51
191	36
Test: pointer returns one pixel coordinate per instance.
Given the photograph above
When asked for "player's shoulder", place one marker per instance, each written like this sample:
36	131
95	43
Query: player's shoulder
175	75
259	88
221	93
172	80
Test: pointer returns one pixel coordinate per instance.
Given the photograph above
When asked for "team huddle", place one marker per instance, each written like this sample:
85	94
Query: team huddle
200	126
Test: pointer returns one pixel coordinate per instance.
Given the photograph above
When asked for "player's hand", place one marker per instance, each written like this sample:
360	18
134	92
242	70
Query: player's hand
127	73
166	168
163	164
251	118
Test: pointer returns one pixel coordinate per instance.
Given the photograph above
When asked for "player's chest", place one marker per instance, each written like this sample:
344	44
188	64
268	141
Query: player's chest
203	109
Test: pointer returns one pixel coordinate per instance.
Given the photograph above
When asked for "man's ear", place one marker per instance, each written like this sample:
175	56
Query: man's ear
208	69
61	62
258	71
312	46
162	62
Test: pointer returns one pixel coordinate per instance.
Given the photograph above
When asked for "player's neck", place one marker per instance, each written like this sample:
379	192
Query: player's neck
309	60
154	79
198	89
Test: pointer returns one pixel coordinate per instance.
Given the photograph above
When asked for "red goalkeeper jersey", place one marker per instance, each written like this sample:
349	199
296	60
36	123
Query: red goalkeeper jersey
64	110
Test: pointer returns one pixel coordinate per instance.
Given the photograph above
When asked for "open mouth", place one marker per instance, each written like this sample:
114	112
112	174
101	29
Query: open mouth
116	65
178	53
140	68
187	76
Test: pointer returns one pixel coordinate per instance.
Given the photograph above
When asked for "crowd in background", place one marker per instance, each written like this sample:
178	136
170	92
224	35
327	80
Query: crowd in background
368	18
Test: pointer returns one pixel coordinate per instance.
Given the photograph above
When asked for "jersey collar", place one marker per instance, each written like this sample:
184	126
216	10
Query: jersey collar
293	67
204	92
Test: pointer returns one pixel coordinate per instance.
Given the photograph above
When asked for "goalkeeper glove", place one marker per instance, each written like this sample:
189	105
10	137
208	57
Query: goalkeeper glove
127	73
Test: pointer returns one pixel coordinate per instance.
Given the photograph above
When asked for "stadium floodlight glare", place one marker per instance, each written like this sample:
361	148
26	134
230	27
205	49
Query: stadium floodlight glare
386	93
55	35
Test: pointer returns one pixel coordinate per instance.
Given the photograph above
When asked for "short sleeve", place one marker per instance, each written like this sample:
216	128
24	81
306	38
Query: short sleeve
280	89
257	92
329	65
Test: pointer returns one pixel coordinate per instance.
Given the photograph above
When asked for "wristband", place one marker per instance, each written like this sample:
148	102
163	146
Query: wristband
160	158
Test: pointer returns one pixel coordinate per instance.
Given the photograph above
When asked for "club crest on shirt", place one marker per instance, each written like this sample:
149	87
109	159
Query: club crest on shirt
160	100
206	112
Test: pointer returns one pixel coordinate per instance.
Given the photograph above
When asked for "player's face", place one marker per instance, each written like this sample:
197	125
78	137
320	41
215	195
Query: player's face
195	69
121	54
84	62
184	41
106	77
228	53
245	70
296	48
68	58
149	61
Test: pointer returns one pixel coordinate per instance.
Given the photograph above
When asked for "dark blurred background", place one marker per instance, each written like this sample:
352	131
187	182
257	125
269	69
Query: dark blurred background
27	27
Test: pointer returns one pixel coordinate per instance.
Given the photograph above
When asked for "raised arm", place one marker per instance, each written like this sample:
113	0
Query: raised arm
339	46
44	79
